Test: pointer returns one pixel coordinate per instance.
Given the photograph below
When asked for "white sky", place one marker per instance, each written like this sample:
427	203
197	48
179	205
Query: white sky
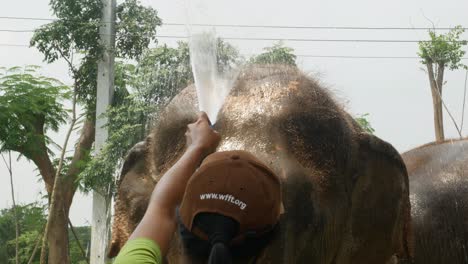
394	92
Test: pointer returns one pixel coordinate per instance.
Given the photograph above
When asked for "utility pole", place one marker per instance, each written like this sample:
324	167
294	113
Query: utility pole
105	89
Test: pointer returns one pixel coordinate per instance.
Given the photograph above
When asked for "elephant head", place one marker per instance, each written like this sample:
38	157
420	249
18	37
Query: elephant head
438	177
345	192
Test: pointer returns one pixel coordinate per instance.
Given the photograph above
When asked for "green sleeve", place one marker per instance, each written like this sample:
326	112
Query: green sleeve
139	251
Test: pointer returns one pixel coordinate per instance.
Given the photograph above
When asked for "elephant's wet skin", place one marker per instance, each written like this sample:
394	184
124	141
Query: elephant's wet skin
438	175
345	192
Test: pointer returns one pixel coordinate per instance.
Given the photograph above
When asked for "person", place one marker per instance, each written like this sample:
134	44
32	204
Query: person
231	200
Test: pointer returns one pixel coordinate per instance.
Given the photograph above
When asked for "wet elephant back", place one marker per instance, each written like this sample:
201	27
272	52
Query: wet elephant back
438	175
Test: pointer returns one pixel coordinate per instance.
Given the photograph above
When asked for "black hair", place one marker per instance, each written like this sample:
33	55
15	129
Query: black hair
220	230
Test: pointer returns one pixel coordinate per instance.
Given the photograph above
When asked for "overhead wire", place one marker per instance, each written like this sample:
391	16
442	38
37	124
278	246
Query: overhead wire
257	26
267	39
298	55
317	40
13	45
280	39
246	25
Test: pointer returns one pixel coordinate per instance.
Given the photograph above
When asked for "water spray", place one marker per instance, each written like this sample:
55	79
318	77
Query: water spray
212	88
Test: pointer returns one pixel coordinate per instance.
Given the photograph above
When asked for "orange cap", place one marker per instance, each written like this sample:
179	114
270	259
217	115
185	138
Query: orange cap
237	185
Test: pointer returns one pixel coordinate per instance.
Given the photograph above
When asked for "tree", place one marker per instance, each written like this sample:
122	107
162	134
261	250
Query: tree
277	54
31	220
441	52
30	106
364	123
76	34
77	31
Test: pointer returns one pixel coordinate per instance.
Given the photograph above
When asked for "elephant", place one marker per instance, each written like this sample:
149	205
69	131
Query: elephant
345	192
438	178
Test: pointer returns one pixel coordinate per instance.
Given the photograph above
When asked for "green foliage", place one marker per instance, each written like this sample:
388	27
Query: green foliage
135	29
30	105
65	165
27	242
123	77
159	76
126	127
364	123
227	56
77	31
84	235
277	54
161	73
445	49
32	219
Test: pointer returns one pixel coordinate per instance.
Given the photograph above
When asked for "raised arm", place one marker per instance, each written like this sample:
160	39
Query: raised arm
159	221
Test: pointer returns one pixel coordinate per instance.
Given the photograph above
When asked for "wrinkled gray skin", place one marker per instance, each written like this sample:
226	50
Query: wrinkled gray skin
438	177
345	192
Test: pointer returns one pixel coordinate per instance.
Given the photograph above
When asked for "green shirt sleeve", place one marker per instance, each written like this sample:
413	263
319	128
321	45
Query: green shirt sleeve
139	251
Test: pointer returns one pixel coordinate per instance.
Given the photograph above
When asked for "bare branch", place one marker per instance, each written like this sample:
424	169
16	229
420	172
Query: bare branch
77	241
6	163
38	240
57	177
15	210
69	62
72	55
448	111
464	101
430	21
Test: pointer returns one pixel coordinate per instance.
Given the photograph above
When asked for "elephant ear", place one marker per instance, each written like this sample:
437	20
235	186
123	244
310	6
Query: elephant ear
380	203
134	188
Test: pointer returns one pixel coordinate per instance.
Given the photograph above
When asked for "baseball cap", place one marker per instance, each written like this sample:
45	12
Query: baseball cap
237	185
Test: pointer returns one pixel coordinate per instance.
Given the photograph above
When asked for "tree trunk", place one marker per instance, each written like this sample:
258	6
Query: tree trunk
439	82
436	83
46	169
58	232
58	227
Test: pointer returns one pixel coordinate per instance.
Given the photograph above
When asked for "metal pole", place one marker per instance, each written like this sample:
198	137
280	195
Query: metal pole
105	87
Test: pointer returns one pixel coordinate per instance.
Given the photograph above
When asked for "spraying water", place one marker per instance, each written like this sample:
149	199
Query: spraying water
212	86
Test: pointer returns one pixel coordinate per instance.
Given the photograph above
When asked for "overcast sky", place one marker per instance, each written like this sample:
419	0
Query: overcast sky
394	92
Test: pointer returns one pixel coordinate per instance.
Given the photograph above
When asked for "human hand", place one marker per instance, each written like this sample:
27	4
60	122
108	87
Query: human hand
200	135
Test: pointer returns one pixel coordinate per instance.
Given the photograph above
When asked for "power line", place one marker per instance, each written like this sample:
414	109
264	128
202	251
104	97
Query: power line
17	30
280	39
358	57
249	26
299	55
317	40
51	20
27	18
13	45
310	27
